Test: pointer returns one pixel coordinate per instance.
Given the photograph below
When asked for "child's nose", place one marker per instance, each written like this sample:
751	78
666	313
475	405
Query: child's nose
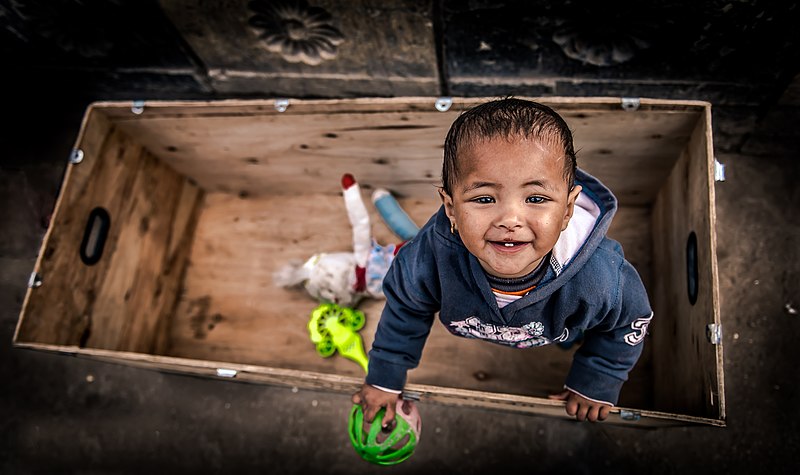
510	217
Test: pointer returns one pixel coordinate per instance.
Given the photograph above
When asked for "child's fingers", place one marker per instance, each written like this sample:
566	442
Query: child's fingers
572	407
593	414
369	414
604	411
583	411
356	398
388	417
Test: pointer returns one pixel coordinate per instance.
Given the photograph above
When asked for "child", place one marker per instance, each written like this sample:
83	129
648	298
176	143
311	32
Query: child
517	255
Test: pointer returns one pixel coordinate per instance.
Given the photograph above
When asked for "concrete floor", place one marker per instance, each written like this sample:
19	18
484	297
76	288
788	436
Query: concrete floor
69	415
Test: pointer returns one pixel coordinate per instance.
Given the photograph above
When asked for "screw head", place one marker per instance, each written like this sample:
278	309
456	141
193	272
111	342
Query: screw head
76	156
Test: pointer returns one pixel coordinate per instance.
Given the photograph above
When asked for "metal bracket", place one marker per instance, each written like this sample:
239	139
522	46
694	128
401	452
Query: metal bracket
226	373
35	281
631	416
719	171
281	105
714	333
138	107
76	156
630	104
443	104
411	395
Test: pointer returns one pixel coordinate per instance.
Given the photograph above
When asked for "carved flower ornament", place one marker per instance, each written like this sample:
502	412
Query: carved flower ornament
298	32
598	46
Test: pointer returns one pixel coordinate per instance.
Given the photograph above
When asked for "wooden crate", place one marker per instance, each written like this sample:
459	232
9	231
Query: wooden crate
206	199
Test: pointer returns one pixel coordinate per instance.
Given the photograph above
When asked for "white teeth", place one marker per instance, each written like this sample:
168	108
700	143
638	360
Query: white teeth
509	244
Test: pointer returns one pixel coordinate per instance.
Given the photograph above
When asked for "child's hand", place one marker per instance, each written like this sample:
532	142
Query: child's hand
372	400
582	408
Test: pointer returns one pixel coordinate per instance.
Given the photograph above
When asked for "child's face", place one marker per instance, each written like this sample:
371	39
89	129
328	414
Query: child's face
510	203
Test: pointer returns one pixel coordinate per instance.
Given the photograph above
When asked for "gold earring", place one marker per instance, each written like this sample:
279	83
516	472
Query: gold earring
453	227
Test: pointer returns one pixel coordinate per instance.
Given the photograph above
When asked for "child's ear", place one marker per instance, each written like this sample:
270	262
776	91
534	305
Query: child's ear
571	198
447	201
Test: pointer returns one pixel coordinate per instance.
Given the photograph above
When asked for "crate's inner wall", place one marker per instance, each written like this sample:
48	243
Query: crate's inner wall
267	191
688	375
122	302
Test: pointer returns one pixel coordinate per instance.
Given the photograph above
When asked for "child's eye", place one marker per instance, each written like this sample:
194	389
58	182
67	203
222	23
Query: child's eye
535	199
484	200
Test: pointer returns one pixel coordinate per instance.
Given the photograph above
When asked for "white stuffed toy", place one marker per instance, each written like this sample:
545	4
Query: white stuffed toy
344	278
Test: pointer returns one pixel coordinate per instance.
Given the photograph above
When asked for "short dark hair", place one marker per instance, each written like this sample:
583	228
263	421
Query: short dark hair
506	118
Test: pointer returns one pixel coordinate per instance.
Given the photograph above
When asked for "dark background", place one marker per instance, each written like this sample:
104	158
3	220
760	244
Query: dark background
68	415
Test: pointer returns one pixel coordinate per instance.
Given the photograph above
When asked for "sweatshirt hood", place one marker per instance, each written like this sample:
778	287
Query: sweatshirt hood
594	209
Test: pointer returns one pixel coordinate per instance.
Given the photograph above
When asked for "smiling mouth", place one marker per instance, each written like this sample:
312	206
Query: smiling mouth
509	244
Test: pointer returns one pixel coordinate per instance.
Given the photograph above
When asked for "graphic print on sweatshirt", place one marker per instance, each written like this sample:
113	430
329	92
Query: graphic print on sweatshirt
526	336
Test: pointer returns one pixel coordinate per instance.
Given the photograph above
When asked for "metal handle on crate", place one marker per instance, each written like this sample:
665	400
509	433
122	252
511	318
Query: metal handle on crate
94	237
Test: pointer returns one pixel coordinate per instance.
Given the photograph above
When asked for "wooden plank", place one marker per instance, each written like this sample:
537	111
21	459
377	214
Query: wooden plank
716	387
435	394
687	367
631	228
91	136
117	302
175	261
292	154
121	110
45	316
140	289
613	144
254	152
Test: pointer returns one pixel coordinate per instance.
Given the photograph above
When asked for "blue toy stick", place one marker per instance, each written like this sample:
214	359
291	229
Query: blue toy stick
393	215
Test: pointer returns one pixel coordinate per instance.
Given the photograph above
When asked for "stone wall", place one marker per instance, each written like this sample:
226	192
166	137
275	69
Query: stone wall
725	51
742	55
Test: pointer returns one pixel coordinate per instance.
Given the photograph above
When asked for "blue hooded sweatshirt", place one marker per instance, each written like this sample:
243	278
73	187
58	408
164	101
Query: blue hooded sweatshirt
589	289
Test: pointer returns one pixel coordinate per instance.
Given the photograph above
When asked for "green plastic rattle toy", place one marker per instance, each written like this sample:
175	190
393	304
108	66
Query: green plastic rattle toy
381	446
332	328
